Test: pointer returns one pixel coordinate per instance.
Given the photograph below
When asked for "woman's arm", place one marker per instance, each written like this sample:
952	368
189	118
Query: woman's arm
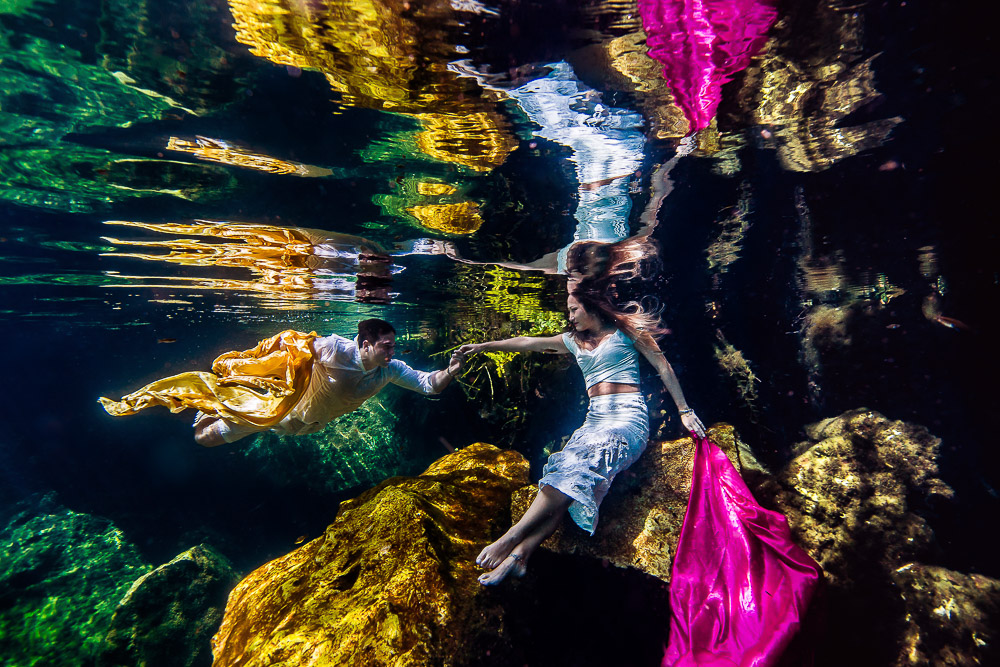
546	263
519	344
649	349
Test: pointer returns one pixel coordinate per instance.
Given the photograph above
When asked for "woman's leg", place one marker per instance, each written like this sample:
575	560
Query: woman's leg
511	552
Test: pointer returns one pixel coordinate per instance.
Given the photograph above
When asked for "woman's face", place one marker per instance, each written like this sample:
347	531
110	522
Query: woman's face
580	318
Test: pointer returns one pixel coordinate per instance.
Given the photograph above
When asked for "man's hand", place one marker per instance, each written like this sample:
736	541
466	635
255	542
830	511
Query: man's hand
456	363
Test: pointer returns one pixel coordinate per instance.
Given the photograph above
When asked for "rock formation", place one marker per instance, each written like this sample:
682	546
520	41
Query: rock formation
61	574
168	616
848	494
392	581
951	618
640	520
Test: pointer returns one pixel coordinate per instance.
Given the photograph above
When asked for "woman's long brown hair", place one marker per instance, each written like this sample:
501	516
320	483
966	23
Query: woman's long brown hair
630	317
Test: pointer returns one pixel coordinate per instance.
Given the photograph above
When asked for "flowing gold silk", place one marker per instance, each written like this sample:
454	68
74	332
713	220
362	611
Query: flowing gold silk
255	387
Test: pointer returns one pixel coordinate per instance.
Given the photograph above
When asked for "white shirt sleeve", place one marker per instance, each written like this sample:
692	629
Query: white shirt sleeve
408	378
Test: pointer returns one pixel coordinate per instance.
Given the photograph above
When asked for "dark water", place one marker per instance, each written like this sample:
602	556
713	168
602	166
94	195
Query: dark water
876	211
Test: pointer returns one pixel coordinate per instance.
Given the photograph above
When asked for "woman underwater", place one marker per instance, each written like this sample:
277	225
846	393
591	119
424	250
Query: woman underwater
606	344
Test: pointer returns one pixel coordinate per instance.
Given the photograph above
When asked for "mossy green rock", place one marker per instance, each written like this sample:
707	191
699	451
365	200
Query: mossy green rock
168	616
61	575
356	450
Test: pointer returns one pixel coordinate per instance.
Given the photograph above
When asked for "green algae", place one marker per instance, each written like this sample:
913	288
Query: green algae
15	6
47	94
61	575
358	449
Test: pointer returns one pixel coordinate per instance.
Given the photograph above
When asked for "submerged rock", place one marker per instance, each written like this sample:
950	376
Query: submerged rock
168	616
951	618
641	517
61	575
848	494
358	449
391	581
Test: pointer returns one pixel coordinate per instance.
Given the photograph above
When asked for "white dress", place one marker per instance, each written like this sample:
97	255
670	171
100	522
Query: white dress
613	435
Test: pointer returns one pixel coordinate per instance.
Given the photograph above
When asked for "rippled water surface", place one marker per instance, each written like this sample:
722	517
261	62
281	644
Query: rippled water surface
181	178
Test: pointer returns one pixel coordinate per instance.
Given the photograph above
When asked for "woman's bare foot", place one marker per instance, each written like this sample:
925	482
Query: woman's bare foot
494	554
512	565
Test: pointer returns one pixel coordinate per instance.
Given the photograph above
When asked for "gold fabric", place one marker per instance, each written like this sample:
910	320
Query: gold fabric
255	387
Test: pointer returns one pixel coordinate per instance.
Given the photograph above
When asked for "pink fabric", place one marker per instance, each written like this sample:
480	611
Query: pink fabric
702	44
740	586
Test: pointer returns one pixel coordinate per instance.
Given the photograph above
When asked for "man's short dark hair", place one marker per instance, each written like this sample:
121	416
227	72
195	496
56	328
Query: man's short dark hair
373	329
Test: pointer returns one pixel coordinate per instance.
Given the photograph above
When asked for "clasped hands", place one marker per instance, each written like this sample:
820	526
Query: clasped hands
457	361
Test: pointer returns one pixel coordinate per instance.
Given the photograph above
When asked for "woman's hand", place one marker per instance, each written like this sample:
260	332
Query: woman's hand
692	423
470	348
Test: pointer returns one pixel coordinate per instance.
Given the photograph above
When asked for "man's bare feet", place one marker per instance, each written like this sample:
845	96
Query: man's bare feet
494	554
512	565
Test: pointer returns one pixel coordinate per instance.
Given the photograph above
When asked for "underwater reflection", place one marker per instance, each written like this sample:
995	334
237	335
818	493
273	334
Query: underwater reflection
217	150
606	149
702	44
390	56
813	74
292	266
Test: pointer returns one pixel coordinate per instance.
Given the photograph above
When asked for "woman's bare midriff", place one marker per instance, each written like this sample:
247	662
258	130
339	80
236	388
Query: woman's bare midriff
605	388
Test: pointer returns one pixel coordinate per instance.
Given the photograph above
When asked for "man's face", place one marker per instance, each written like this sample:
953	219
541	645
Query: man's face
383	349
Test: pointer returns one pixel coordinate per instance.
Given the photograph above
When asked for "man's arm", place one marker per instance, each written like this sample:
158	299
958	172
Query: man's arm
442	378
423	382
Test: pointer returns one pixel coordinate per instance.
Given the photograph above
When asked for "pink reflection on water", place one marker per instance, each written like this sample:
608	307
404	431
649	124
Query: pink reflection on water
702	44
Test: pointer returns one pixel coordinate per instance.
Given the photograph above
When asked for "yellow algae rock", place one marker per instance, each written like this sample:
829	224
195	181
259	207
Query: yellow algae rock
640	519
392	581
847	494
951	618
457	218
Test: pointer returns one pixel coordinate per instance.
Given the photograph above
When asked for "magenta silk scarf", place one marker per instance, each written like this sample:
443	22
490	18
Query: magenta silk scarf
740	586
702	44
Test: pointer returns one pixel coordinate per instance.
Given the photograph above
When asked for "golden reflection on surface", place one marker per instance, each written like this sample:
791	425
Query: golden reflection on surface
291	267
440	207
434	189
804	84
461	218
471	139
216	150
376	57
514	295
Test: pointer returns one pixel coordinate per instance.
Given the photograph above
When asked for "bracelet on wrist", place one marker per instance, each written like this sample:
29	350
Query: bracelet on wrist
686	411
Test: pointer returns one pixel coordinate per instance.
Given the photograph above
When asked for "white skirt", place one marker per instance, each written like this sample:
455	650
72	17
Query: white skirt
612	438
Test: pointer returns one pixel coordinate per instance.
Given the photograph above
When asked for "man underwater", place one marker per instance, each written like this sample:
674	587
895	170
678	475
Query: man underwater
292	383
